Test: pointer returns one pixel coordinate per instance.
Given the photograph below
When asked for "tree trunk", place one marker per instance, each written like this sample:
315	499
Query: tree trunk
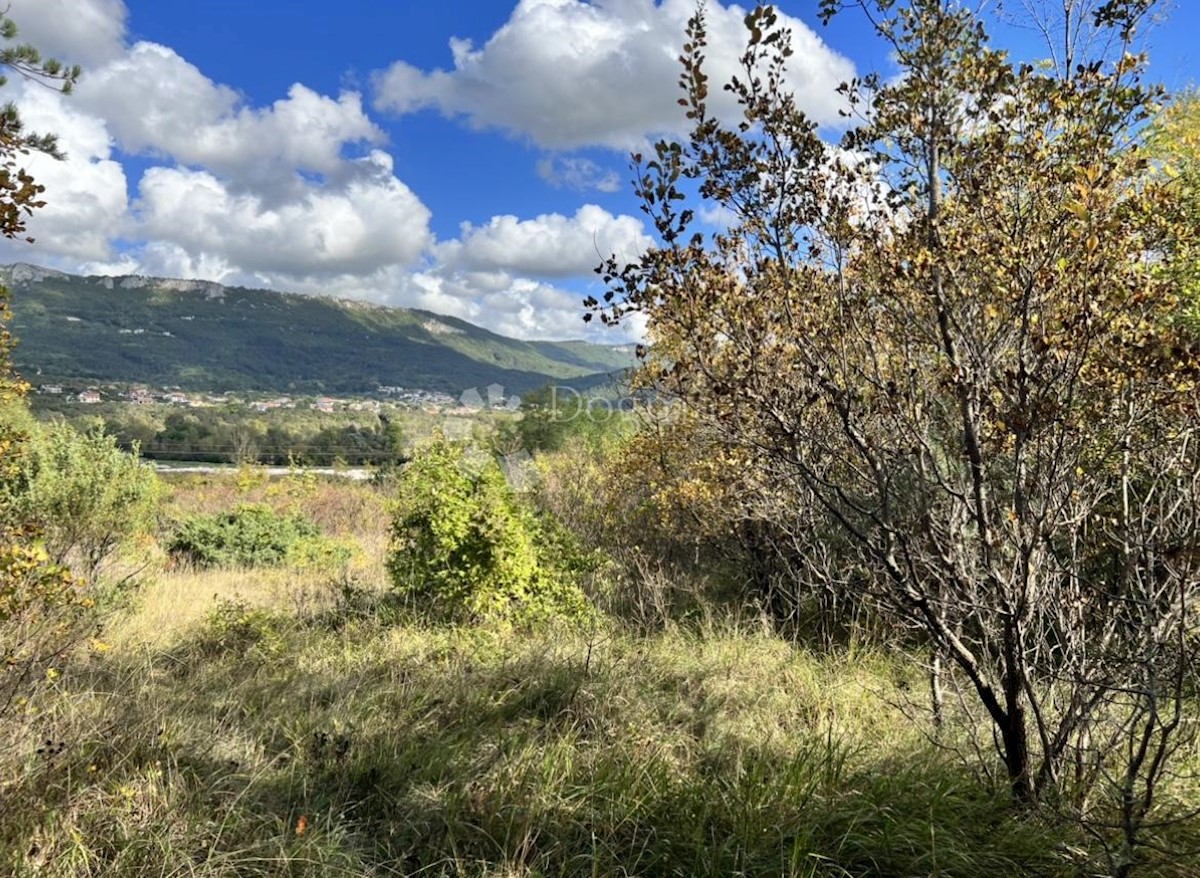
936	697
1013	731
1016	754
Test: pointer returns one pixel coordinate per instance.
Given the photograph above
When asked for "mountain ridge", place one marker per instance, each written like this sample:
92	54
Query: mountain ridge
203	335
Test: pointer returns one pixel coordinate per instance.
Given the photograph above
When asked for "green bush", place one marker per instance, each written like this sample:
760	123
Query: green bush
233	627
252	535
465	549
45	611
321	554
82	493
44	614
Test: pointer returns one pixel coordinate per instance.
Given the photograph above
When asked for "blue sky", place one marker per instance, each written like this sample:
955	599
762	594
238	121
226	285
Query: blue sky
464	156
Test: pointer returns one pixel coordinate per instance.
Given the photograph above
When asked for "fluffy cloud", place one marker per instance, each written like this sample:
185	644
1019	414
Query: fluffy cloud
513	306
569	73
372	221
86	194
550	245
86	197
88	32
158	103
266	194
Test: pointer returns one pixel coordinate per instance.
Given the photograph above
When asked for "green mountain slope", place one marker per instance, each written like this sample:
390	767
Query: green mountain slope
201	335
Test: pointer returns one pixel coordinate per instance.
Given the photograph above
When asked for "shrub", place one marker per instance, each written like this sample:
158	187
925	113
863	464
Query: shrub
320	554
464	546
233	627
44	614
252	535
44	611
83	493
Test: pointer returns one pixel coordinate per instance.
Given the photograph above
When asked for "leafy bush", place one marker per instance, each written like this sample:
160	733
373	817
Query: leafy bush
464	546
83	493
44	614
233	627
659	544
252	535
321	554
44	611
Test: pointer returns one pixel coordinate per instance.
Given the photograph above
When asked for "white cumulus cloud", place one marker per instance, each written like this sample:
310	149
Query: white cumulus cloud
158	103
87	32
550	245
287	194
570	73
518	307
85	195
371	221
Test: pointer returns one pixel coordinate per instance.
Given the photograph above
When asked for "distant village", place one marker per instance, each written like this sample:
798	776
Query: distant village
175	396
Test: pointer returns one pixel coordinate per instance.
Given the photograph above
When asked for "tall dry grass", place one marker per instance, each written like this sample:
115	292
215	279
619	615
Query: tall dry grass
294	723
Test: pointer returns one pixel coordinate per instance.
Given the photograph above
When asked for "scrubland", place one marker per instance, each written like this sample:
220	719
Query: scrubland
301	720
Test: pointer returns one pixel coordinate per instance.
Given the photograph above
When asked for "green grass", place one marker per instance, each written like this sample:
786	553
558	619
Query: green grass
294	722
414	751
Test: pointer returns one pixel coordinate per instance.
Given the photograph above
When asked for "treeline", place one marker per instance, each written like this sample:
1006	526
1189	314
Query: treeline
235	434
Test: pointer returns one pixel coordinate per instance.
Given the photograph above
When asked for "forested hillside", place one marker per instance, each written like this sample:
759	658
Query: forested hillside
204	336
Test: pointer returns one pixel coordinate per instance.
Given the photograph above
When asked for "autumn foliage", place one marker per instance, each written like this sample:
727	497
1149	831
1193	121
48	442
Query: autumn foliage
957	338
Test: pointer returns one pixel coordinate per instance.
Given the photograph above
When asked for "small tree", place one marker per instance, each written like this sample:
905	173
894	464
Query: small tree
552	416
83	494
957	338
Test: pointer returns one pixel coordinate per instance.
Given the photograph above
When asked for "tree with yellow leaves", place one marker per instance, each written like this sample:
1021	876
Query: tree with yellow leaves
1174	145
954	336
